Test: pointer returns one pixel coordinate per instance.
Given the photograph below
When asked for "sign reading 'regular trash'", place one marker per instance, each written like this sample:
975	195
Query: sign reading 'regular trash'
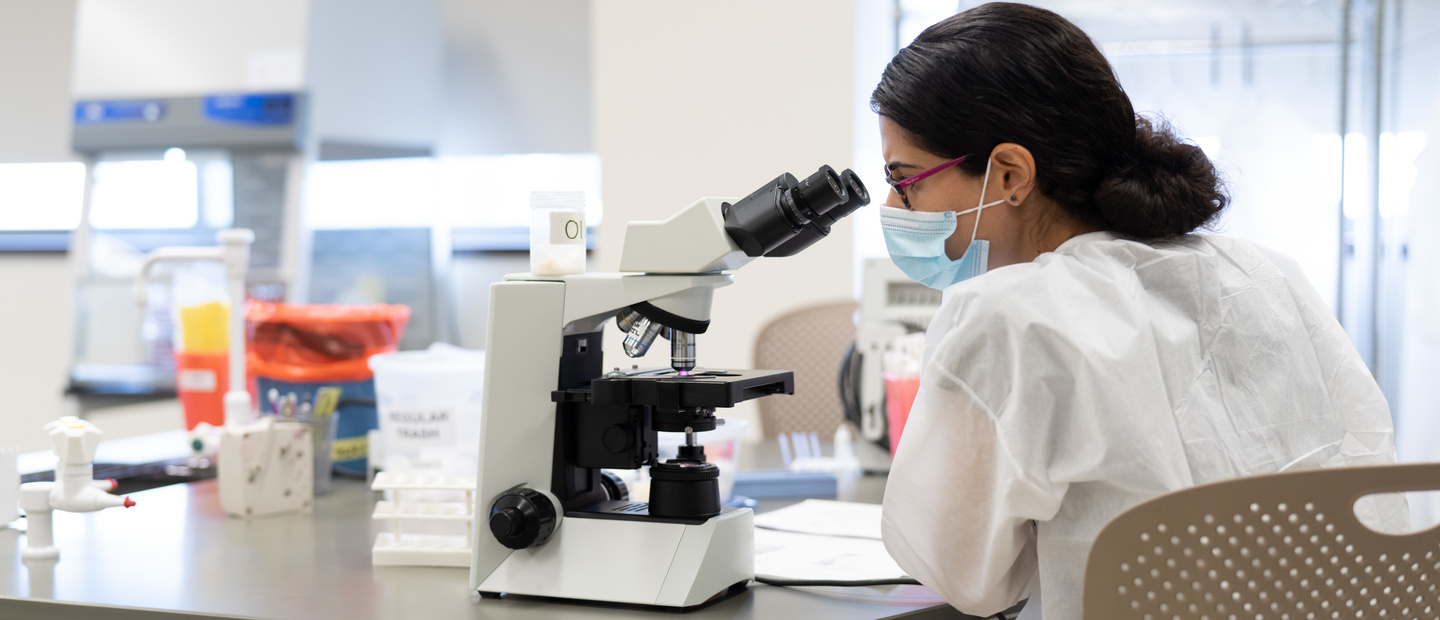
421	427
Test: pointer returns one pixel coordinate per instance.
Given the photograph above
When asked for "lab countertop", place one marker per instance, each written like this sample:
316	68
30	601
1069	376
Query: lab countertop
175	555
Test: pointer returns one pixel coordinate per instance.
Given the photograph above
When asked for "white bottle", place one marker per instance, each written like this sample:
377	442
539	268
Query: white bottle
557	233
847	465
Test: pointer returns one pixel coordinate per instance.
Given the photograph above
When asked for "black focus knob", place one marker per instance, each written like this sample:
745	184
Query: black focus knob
507	522
522	518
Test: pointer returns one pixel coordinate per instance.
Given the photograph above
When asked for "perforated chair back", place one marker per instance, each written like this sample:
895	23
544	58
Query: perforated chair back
812	343
1281	546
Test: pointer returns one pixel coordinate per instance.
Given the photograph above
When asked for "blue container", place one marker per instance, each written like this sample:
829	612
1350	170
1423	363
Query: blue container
356	411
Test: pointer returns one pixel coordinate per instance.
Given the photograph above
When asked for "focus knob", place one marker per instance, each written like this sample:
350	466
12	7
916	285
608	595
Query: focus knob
522	518
507	522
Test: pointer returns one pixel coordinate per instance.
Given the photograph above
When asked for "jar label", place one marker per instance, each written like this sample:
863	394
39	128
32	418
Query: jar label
567	228
196	380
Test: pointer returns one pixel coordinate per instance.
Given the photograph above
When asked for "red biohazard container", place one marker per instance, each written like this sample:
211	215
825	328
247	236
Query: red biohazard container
899	396
201	380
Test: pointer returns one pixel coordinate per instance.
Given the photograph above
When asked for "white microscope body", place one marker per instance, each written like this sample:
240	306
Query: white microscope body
74	489
547	522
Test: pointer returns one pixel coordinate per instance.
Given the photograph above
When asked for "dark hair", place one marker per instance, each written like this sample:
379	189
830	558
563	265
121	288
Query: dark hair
1003	72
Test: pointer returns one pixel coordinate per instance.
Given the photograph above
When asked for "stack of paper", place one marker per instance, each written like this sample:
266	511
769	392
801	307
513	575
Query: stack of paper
823	540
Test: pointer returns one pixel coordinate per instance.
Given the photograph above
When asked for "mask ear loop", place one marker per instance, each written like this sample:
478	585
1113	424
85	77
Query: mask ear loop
980	208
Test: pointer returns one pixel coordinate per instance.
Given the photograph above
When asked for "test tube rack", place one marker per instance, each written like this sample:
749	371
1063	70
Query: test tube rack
398	548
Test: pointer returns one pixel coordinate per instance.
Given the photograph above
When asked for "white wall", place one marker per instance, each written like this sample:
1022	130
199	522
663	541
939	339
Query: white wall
35	296
35	42
714	99
148	48
374	70
517	77
35	344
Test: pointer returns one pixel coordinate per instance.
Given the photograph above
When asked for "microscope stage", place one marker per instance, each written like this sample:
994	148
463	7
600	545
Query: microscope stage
667	389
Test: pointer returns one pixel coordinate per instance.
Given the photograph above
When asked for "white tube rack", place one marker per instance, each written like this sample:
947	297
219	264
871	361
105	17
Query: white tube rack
397	548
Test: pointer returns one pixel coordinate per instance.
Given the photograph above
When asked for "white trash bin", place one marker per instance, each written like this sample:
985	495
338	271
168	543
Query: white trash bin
429	408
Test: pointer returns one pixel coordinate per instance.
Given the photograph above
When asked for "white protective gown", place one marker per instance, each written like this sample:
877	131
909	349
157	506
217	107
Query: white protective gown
1060	392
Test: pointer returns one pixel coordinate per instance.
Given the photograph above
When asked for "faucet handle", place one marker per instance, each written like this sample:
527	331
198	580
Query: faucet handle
75	440
60	422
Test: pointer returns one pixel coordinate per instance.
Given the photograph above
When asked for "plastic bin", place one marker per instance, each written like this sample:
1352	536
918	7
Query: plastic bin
429	405
339	444
301	348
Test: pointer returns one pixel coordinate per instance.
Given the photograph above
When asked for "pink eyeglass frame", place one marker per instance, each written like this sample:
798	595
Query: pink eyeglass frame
903	184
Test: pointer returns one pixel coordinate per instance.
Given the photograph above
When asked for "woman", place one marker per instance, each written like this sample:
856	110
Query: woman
1109	355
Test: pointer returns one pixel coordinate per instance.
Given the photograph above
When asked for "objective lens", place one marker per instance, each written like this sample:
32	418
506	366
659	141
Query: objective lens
682	351
626	320
642	333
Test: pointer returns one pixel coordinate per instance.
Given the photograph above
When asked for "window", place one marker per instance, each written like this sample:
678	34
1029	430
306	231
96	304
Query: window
145	194
41	196
143	198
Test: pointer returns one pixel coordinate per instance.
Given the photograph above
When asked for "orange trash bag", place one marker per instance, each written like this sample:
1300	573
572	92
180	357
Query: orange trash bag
320	342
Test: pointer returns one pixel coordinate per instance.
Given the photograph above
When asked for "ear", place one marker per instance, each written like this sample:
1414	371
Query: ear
1014	171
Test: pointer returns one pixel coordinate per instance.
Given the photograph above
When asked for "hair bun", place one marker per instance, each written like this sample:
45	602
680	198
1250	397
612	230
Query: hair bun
1166	188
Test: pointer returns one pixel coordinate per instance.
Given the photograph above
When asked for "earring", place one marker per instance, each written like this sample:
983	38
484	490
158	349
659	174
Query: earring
1012	198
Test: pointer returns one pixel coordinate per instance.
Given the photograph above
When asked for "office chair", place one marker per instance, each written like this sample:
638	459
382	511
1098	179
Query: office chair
812	342
1283	546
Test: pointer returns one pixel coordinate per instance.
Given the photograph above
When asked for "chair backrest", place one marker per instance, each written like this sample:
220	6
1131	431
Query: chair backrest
812	343
1274	546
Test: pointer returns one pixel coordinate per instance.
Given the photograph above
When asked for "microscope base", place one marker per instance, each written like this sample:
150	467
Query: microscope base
636	562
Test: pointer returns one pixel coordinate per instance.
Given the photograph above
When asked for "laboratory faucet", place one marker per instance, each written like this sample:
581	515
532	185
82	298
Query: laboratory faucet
74	489
234	253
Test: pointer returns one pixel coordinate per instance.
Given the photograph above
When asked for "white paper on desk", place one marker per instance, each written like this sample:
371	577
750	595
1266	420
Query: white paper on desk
787	555
825	517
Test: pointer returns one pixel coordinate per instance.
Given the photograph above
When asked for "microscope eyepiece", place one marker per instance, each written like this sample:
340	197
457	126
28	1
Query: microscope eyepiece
858	194
822	191
785	216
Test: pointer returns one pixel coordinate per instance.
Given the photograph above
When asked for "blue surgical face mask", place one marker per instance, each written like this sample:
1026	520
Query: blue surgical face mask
916	241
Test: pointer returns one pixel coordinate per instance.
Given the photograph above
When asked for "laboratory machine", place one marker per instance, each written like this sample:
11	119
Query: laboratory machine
891	306
549	522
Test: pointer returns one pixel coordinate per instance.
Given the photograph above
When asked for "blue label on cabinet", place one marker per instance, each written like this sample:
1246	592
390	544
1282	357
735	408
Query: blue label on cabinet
270	109
133	111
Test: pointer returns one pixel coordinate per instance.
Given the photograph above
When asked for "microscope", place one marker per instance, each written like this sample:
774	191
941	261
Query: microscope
548	521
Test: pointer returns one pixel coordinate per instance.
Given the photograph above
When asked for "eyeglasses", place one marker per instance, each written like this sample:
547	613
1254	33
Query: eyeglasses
902	184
